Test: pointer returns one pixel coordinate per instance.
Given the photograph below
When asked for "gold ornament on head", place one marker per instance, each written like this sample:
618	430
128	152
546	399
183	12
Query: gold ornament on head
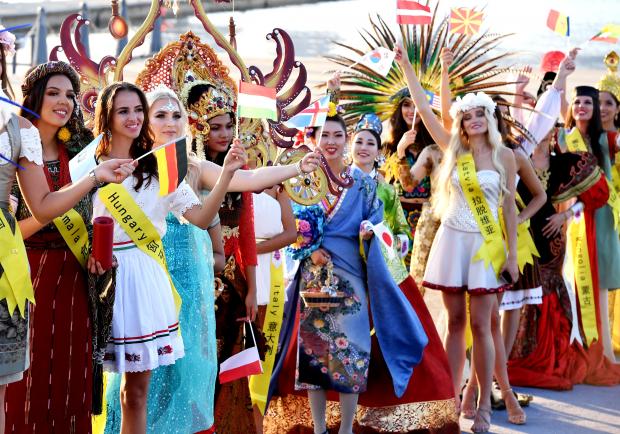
610	82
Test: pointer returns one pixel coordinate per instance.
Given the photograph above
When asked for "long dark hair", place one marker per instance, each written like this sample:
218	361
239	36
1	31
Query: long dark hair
141	144
617	117
4	77
194	95
595	126
80	135
399	127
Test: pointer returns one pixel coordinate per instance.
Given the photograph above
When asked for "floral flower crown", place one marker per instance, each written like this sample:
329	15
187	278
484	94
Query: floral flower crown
470	101
7	41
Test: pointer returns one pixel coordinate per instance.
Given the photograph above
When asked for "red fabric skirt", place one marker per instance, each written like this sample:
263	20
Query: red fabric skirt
428	400
55	394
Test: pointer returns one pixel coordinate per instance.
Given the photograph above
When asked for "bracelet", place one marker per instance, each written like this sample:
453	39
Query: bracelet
298	168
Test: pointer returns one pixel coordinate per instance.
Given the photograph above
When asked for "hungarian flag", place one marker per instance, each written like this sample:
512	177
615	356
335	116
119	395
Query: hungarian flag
379	60
256	101
312	116
171	165
610	34
465	21
558	22
242	364
410	12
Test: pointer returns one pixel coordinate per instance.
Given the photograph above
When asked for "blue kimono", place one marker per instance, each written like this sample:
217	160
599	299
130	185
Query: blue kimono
333	345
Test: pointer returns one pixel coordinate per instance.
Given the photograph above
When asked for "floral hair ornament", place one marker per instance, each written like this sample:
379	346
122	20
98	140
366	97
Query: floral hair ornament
7	39
471	101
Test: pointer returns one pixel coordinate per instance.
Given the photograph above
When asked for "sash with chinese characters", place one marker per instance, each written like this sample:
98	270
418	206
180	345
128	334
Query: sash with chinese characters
575	143
73	230
526	248
259	384
137	226
579	257
492	250
15	283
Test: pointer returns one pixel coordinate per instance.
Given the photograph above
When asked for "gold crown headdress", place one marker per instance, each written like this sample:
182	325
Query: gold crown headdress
610	82
216	101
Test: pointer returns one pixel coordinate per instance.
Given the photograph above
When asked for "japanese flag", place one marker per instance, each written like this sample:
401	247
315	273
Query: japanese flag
385	237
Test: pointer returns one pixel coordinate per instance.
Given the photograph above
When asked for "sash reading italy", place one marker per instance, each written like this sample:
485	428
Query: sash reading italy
578	251
137	226
259	384
15	283
73	230
492	249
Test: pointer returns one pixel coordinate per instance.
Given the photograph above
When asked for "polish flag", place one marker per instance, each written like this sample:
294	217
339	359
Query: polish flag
242	364
410	12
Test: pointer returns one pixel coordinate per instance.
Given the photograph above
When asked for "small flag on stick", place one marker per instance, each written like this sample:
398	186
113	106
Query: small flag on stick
379	60
312	116
171	165
256	101
410	12
242	364
558	22
610	34
433	99
465	21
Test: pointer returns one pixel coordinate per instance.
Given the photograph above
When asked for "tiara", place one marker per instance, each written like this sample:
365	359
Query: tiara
610	82
215	102
471	101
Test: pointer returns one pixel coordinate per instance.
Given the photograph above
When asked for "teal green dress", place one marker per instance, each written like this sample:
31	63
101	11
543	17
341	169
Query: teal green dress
181	395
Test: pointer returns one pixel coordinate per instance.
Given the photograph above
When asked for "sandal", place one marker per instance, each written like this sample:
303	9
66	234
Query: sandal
516	415
482	421
523	398
468	403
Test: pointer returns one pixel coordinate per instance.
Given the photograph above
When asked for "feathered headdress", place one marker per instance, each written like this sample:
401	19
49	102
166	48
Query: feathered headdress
474	69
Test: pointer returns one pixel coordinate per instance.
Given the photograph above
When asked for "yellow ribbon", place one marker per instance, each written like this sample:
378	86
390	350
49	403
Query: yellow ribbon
137	226
73	230
15	283
580	258
492	250
259	384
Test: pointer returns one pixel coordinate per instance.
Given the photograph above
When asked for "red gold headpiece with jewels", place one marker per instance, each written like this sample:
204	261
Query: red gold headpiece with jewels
610	82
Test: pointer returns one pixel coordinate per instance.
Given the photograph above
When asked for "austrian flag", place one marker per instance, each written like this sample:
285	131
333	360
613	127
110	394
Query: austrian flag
257	101
410	12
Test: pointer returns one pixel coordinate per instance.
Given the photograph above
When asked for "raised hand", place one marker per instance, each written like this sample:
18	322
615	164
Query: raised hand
406	140
310	162
398	51
446	57
333	83
115	170
236	157
523	78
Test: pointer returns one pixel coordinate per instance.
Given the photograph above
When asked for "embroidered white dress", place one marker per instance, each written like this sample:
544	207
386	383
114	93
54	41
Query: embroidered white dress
267	224
145	324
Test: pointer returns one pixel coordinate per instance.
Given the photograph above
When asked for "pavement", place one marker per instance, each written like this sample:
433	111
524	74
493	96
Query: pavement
583	410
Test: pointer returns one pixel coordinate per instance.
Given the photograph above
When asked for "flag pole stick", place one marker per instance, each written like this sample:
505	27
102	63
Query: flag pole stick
159	147
255	344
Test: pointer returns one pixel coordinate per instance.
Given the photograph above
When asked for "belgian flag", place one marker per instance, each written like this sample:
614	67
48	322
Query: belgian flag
171	165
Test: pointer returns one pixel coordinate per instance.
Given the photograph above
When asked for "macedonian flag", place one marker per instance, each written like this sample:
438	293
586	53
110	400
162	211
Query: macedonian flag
465	21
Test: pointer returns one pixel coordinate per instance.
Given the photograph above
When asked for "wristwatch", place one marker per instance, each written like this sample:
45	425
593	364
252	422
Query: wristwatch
93	177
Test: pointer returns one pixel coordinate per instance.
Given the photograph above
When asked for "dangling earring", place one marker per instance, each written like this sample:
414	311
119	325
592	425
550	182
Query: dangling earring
108	134
64	135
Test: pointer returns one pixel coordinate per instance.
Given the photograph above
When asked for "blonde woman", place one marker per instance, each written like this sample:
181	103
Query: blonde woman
469	209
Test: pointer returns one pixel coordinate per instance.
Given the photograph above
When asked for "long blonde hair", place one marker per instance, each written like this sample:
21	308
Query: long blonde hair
193	163
456	148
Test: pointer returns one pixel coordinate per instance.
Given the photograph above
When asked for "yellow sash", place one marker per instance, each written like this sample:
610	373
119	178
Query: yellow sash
259	384
137	226
73	230
580	258
15	283
526	248
492	249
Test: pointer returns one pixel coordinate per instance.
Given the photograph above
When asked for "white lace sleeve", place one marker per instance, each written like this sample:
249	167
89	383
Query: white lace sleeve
182	200
31	145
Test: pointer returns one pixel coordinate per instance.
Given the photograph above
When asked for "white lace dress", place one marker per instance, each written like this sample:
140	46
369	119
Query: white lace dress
145	324
267	224
450	267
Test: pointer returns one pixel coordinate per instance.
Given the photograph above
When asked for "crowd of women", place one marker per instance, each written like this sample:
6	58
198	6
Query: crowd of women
520	236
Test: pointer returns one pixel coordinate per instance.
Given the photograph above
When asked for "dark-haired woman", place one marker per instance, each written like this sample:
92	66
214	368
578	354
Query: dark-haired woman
585	133
57	388
326	350
145	327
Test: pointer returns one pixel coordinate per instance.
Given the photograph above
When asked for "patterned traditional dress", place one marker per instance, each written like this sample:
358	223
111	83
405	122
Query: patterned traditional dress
57	389
330	349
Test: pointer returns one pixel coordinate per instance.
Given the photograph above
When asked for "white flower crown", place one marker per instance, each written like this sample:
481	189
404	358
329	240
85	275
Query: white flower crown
470	101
